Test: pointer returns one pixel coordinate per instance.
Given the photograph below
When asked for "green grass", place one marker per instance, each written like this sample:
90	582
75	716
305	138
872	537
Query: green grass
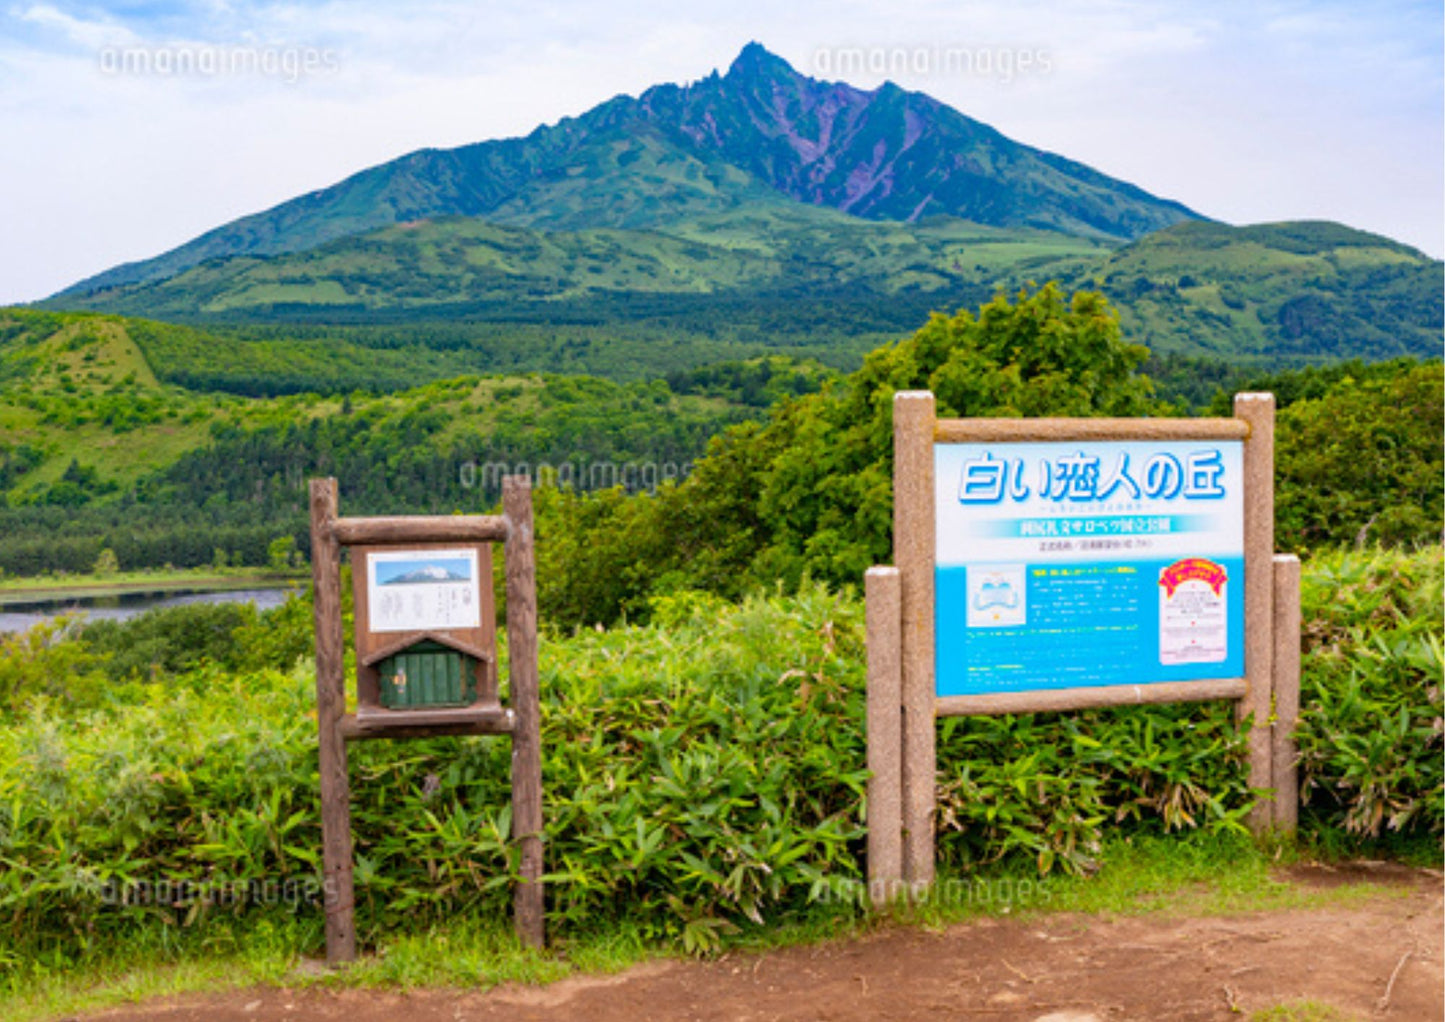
159	580
1183	876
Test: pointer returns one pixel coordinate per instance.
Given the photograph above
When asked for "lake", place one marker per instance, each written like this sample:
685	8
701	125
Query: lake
17	617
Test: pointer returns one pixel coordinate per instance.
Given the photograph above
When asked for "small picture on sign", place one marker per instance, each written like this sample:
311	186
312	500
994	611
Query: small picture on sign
424	572
423	590
996	597
1193	618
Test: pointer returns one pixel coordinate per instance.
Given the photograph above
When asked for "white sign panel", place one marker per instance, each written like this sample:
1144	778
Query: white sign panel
423	590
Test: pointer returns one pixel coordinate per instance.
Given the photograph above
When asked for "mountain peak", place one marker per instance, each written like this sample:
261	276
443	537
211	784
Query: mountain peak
756	61
764	131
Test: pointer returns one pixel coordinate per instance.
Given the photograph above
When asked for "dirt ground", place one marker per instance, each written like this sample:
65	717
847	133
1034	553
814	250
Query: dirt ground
1374	958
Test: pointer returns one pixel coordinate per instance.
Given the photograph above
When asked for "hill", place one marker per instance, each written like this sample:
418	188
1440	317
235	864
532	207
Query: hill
1285	292
97	450
465	295
760	136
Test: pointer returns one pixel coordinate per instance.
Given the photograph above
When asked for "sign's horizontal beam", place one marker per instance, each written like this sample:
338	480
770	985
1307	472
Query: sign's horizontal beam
416	529
967	431
1047	700
369	723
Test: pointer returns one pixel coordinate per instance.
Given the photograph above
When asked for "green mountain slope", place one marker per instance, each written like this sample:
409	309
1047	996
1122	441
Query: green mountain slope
1287	291
761	134
790	279
448	265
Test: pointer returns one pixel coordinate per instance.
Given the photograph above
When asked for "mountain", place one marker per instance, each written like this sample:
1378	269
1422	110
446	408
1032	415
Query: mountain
760	136
794	280
429	574
455	266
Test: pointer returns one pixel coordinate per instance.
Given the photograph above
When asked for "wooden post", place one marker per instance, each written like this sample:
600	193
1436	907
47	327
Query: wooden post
1258	411
521	570
914	419
330	705
1284	755
885	736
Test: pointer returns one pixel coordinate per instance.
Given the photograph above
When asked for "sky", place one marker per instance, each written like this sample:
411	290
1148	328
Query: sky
130	127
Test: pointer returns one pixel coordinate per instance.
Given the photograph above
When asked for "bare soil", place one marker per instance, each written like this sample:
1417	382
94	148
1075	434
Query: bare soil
1378	957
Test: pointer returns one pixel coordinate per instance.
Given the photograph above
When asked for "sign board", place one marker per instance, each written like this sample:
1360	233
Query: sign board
413	591
425	621
1065	565
1049	565
423	590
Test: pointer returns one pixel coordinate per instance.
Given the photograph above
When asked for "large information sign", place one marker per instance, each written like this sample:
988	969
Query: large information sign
1063	565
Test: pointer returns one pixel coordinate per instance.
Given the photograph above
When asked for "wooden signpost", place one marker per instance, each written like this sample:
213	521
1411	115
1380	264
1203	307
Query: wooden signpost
1060	564
426	665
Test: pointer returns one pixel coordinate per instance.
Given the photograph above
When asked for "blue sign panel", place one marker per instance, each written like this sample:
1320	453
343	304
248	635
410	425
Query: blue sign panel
1069	565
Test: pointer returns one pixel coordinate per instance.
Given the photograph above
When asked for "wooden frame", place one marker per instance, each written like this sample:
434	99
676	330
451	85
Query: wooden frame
1268	693
481	642
486	716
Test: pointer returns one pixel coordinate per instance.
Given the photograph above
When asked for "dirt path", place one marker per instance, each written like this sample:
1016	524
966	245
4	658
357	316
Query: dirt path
1064	968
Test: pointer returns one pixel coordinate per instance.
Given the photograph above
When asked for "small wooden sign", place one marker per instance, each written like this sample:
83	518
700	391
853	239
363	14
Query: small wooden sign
425	629
403	595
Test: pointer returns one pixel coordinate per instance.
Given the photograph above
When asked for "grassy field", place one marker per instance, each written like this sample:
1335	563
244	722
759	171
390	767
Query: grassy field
71	587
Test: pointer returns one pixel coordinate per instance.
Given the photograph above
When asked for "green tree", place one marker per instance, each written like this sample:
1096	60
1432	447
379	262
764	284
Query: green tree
827	497
281	553
106	563
1362	463
809	493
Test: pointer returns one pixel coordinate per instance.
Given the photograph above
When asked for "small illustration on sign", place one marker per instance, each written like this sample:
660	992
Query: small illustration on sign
1193	618
996	597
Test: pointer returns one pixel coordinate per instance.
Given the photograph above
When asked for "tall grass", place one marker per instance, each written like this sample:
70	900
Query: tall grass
704	776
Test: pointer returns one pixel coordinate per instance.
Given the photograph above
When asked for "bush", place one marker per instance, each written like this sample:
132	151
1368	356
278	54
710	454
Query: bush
1371	708
703	772
170	640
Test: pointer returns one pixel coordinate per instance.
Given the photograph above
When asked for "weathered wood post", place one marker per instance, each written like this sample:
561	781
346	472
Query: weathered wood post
885	735
330	705
521	567
1258	411
454	630
914	419
1284	755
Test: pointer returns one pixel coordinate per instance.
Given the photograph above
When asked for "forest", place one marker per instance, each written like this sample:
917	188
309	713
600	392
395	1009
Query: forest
786	461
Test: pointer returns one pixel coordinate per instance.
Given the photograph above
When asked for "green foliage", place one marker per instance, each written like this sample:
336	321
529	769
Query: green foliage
810	492
172	640
281	553
43	663
703	773
1371	707
828	491
1363	463
106	563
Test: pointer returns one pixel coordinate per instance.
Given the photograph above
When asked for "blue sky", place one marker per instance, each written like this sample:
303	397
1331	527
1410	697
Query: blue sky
1243	111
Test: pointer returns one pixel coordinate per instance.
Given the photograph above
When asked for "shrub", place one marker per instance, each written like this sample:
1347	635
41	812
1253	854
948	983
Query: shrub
702	772
1371	709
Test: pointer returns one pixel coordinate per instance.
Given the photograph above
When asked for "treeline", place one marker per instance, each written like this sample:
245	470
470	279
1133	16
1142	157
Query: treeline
433	450
808	494
41	539
805	492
